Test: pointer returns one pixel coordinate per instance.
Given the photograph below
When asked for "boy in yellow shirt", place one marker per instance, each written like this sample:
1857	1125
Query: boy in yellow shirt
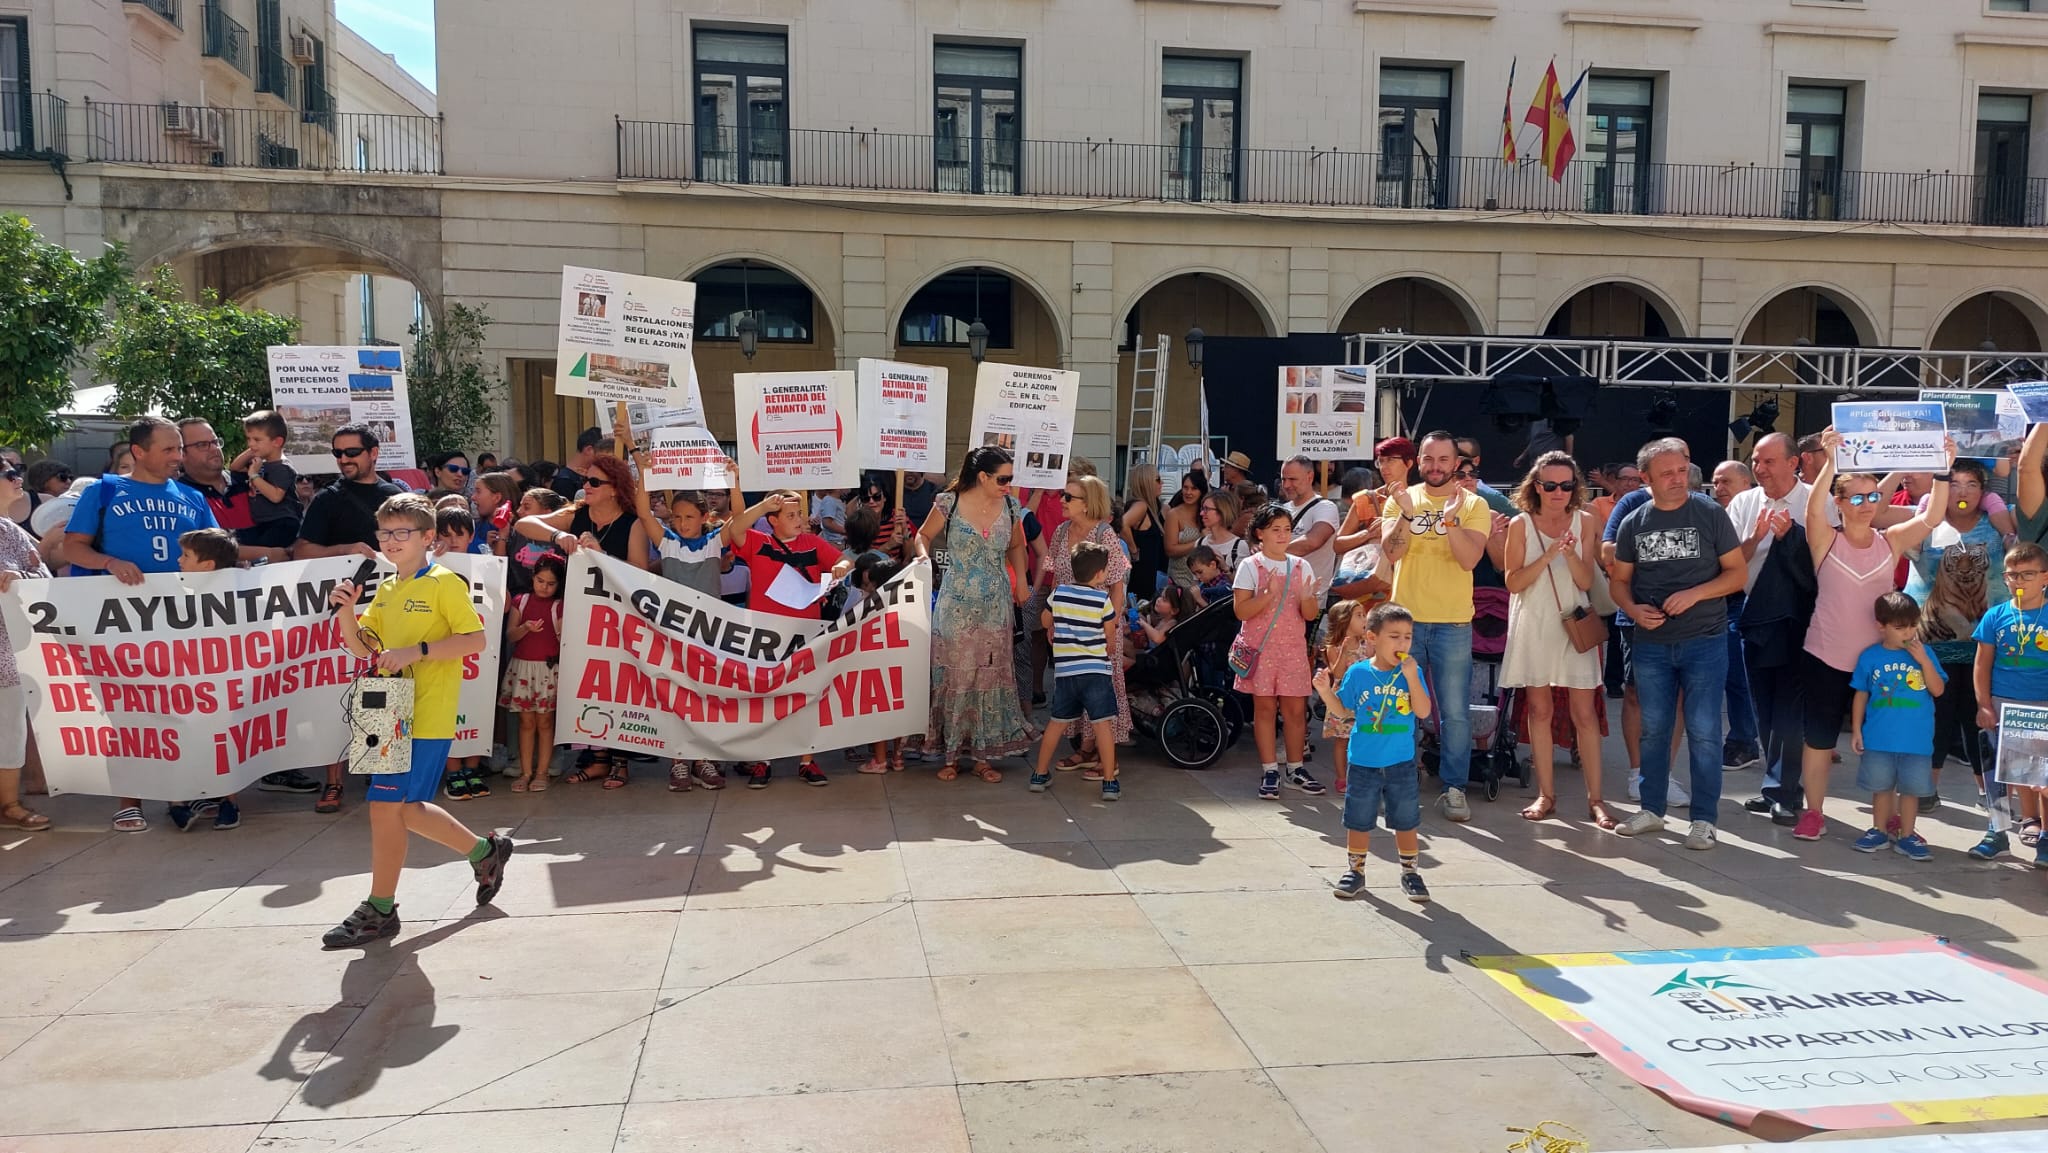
421	623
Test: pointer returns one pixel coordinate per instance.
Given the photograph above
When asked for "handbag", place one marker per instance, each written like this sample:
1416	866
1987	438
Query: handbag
1244	656
1585	630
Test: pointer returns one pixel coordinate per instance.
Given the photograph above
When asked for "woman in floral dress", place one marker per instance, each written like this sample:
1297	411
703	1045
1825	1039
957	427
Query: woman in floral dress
974	685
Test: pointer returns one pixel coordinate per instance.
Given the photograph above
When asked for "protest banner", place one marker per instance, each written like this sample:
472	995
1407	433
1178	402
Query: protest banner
653	667
194	685
319	388
2033	398
2023	735
1028	412
1891	436
1326	411
796	429
642	418
1785	1039
1987	423
685	458
626	338
902	411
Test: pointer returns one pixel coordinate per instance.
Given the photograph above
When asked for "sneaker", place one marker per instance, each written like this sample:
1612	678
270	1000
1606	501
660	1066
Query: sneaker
1810	827
456	788
709	776
227	816
1871	841
1644	821
2041	853
205	808
1913	847
1700	837
477	786
679	777
1737	755
361	927
1454	805
1927	804
809	773
181	817
1675	794
757	775
1350	886
1413	888
858	755
490	872
1635	784
1269	785
1301	780
1111	790
289	781
1040	782
1993	846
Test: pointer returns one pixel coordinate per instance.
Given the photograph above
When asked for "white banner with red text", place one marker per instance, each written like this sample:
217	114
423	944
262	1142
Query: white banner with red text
653	667
194	685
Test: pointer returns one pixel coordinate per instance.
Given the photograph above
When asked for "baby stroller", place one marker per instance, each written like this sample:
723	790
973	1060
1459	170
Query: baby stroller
1174	689
1493	741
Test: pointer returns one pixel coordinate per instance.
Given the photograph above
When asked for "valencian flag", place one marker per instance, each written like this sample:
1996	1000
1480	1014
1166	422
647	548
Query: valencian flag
1551	112
1507	118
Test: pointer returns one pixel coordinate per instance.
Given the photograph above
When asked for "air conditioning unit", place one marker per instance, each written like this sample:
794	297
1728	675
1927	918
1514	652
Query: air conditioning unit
206	126
302	48
178	118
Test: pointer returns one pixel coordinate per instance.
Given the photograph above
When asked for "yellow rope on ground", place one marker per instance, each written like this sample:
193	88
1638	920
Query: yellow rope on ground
1539	1140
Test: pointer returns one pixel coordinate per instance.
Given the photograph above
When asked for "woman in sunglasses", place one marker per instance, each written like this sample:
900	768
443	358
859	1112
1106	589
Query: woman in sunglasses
1553	551
450	470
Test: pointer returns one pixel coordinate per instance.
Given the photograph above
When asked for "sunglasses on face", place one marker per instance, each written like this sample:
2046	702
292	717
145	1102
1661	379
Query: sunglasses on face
1558	485
594	482
1067	496
875	497
1858	500
11	474
396	534
1005	480
457	469
349	453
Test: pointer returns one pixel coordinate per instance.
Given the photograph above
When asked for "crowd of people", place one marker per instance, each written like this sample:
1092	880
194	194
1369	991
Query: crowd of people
1743	617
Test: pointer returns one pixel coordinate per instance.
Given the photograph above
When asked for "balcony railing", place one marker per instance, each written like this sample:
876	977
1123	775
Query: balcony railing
224	38
32	127
170	10
894	162
262	138
274	72
318	105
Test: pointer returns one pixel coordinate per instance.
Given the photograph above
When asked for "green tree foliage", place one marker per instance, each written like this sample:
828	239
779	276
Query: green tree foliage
52	310
454	391
183	359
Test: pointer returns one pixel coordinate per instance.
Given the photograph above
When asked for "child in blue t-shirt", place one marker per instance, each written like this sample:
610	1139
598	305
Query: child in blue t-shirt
1385	698
1891	725
2012	665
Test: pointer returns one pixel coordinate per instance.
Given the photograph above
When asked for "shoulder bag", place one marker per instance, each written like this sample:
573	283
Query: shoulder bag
1585	630
1244	656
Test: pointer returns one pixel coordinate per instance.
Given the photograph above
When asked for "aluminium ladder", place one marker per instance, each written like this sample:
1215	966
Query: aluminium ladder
1148	400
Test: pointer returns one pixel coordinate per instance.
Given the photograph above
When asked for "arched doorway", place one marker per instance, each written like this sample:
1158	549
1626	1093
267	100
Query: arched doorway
1413	304
2002	321
935	324
1171	308
1799	316
795	333
1615	309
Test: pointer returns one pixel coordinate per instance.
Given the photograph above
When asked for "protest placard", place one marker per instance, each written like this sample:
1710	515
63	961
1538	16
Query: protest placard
685	458
2023	740
796	429
1891	436
319	388
903	416
2033	398
1326	411
652	666
1028	412
1987	423
628	338
642	417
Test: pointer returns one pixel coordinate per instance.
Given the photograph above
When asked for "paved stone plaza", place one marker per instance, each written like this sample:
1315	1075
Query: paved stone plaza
888	965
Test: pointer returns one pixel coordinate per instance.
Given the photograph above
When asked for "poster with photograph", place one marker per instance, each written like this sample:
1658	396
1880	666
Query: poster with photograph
2033	398
643	417
1988	423
684	458
903	414
796	430
319	388
2023	745
1029	413
628	338
1891	436
1326	411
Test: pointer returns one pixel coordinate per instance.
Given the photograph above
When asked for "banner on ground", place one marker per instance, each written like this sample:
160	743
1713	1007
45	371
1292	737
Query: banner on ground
1987	423
189	686
903	416
1029	412
1326	411
685	458
651	666
1891	436
796	430
1806	1037
627	338
318	388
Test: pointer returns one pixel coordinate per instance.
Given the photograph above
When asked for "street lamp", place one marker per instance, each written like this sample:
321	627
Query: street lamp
977	333
748	329
1194	341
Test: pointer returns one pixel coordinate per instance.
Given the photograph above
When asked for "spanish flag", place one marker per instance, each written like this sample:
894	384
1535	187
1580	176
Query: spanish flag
1507	119
1551	112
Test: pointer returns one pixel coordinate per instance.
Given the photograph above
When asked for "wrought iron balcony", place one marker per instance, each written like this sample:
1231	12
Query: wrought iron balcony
32	127
173	11
318	105
224	38
1106	170
274	73
175	134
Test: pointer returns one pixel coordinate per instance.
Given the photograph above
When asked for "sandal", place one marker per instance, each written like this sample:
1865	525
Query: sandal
330	800
522	784
1092	773
875	766
1077	761
590	772
130	820
896	760
616	777
948	772
988	772
2030	832
1541	809
22	817
1597	812
540	782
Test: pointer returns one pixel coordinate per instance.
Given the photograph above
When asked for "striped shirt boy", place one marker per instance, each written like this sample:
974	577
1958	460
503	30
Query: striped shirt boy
1079	646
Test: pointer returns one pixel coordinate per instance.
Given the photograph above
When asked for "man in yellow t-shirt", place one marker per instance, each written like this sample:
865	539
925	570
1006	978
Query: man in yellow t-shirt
1434	533
422	624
